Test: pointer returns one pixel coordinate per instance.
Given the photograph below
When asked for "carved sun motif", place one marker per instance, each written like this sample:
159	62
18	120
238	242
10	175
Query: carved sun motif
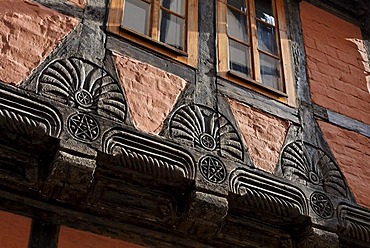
83	84
208	129
311	164
212	169
83	98
207	141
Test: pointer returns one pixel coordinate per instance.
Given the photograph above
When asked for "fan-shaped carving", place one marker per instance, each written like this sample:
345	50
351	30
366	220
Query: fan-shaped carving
80	83
208	129
320	169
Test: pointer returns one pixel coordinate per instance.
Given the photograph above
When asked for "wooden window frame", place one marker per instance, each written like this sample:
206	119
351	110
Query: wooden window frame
286	96
187	56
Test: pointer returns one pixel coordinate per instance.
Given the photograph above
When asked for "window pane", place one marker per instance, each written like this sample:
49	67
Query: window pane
236	25
136	16
270	71
239	4
266	38
239	58
172	30
177	6
264	11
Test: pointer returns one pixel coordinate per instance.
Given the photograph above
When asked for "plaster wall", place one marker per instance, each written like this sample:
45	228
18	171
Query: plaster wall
263	134
151	92
352	151
28	33
339	80
337	63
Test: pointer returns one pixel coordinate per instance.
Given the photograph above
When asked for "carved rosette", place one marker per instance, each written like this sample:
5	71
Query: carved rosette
307	164
82	84
207	129
69	178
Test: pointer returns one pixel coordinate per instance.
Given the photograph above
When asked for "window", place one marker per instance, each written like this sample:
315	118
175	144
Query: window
253	48
166	26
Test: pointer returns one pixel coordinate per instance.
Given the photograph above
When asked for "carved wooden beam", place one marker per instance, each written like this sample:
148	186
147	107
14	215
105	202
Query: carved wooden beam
354	225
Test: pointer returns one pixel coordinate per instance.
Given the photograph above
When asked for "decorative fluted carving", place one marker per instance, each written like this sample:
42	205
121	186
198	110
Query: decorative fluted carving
266	194
23	116
354	223
156	158
80	83
208	129
305	163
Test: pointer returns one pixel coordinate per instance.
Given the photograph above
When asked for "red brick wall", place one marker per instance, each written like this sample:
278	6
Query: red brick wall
72	238
263	134
352	152
28	33
151	93
338	67
14	230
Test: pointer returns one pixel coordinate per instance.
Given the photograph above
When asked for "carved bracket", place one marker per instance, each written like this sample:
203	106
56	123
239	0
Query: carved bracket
69	178
266	194
354	224
148	156
204	215
29	118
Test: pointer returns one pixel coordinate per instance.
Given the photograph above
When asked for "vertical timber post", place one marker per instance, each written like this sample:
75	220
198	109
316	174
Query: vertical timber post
43	234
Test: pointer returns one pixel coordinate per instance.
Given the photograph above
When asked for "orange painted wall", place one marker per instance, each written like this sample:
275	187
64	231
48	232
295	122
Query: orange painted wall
263	134
151	93
72	238
28	33
338	66
14	230
352	152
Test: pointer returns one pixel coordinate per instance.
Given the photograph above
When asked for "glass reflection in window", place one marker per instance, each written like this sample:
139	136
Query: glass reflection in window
236	25
172	30
264	11
266	38
239	58
270	71
177	6
136	16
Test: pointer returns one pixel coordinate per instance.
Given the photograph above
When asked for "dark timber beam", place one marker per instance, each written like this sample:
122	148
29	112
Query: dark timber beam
43	234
